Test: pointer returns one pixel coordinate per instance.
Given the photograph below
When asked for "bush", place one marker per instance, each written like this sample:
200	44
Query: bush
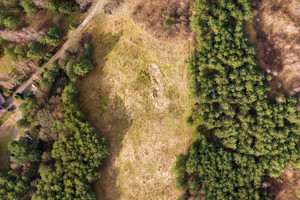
22	123
10	54
11	91
35	51
64	8
11	22
83	67
52	37
29	6
3	16
88	49
21	52
3	41
22	153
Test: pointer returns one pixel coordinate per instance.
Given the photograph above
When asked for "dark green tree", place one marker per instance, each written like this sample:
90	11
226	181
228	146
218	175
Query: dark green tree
11	22
52	37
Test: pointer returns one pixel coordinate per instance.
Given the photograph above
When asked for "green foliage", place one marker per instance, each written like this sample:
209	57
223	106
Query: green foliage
22	123
49	75
233	109
11	186
22	153
29	6
51	38
62	7
35	51
3	41
11	91
88	49
78	151
70	70
21	52
10	54
219	174
76	69
3	15
26	109
83	67
11	22
58	74
60	183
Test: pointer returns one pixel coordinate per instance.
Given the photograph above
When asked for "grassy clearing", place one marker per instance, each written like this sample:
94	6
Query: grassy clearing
116	99
66	21
5	116
6	66
3	147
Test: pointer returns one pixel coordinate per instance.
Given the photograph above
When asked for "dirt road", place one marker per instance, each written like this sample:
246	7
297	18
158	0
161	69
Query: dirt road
27	85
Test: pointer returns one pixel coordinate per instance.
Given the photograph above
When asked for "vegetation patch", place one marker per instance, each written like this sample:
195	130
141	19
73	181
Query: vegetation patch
242	132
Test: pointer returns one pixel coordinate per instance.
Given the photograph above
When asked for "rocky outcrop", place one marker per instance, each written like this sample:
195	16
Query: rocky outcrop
23	35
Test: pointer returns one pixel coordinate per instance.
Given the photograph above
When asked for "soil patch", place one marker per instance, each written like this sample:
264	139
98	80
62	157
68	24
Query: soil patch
167	19
286	187
274	31
160	102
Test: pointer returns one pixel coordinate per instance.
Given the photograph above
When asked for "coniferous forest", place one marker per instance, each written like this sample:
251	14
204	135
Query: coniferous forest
243	132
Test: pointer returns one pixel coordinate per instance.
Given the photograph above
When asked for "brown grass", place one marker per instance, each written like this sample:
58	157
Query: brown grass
116	99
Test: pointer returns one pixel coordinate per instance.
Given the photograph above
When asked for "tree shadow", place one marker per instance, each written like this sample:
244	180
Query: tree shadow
107	112
115	123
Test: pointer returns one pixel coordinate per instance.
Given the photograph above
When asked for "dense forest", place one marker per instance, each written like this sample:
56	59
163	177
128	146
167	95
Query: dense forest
71	156
243	132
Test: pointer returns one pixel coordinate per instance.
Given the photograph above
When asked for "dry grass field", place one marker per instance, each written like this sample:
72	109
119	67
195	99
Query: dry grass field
138	97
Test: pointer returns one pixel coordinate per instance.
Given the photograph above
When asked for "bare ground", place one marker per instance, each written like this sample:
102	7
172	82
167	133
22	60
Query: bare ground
286	187
117	97
274	31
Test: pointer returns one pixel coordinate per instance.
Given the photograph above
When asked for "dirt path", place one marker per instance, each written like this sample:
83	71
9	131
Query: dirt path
98	5
27	85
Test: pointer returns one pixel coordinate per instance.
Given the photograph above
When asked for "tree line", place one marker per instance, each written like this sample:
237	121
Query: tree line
243	132
74	158
79	150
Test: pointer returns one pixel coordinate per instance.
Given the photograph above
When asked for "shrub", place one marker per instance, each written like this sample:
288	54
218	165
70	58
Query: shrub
83	67
35	51
52	37
22	123
11	22
29	6
10	54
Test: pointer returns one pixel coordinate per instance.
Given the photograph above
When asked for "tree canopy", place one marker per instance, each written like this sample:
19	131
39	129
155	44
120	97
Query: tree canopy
52	37
22	153
234	110
11	186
